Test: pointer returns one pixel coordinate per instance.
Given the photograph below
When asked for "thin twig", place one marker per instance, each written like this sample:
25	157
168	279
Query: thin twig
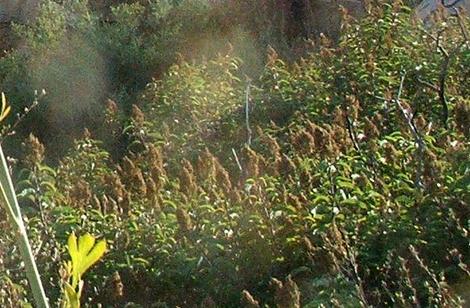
462	25
428	84
414	131
351	258
431	275
237	160
350	126
448	56
11	130
9	201
400	89
442	87
247	112
351	132
447	6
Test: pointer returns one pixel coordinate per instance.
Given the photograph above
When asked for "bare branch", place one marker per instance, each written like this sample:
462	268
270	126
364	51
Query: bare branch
237	160
462	25
247	112
428	84
448	57
414	131
11	130
351	132
449	5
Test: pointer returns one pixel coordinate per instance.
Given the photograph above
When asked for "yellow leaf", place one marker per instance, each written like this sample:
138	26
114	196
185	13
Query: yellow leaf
5	113
85	244
84	254
71	297
4	101
96	253
5	109
75	256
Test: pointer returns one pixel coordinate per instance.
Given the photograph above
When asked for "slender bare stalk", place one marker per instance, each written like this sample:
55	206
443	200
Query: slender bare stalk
237	160
414	131
247	113
9	201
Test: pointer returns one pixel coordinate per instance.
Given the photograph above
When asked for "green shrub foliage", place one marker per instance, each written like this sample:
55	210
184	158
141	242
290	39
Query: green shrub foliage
345	183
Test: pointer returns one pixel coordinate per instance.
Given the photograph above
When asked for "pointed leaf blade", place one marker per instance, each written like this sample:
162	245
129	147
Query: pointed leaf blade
96	253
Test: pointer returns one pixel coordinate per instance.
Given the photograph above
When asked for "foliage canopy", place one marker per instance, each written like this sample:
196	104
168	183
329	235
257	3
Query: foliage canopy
354	190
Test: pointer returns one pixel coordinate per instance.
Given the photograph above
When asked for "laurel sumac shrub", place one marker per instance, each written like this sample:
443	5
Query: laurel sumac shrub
354	189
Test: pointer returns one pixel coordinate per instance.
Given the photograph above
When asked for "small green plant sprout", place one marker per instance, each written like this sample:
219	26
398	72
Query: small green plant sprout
10	203
84	253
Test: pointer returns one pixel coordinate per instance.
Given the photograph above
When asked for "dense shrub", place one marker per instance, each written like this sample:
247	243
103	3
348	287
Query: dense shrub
81	58
353	191
84	52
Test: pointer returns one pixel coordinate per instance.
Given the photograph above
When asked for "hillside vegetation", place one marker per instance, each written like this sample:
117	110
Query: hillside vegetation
282	173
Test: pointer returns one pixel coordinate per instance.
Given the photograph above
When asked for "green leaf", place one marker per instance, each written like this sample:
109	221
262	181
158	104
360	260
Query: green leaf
344	184
321	198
